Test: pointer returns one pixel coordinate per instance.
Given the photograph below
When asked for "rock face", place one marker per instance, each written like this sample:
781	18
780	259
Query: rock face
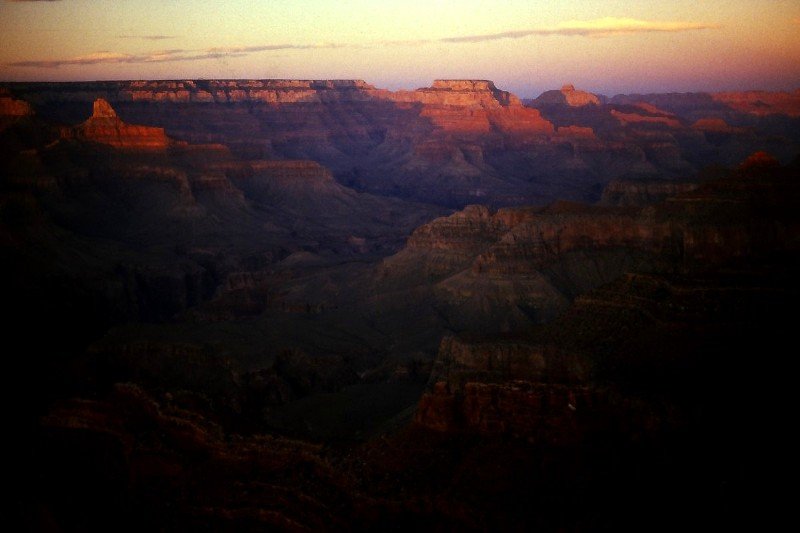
105	127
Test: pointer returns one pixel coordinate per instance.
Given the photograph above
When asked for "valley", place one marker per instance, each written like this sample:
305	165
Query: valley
312	305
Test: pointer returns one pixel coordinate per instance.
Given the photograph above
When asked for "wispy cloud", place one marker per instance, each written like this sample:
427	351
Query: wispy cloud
592	28
603	27
163	56
33	0
146	37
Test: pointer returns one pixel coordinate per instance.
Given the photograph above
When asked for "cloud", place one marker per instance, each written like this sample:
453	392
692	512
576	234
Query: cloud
603	27
145	37
164	56
591	28
33	0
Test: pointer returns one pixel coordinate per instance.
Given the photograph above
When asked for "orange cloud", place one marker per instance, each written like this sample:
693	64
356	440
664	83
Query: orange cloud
603	27
164	56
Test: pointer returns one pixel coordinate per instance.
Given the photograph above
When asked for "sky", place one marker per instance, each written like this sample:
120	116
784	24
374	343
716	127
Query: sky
527	47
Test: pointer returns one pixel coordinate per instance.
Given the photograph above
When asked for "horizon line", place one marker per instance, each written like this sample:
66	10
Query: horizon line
556	88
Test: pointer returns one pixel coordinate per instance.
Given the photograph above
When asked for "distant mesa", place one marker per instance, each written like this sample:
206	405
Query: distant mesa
464	85
464	93
105	127
567	95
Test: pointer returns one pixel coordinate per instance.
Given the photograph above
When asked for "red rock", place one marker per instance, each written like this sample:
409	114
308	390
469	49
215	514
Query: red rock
105	127
12	107
102	109
474	106
567	95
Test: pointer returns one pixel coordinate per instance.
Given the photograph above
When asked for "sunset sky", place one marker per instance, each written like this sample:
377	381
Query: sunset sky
604	46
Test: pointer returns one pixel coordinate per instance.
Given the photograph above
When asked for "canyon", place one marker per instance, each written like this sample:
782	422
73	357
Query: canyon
482	141
317	304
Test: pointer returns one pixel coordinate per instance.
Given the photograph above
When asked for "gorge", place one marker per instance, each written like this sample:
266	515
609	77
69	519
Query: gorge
321	305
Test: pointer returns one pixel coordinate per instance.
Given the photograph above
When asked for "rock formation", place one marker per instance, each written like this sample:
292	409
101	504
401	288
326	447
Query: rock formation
568	96
13	107
105	127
